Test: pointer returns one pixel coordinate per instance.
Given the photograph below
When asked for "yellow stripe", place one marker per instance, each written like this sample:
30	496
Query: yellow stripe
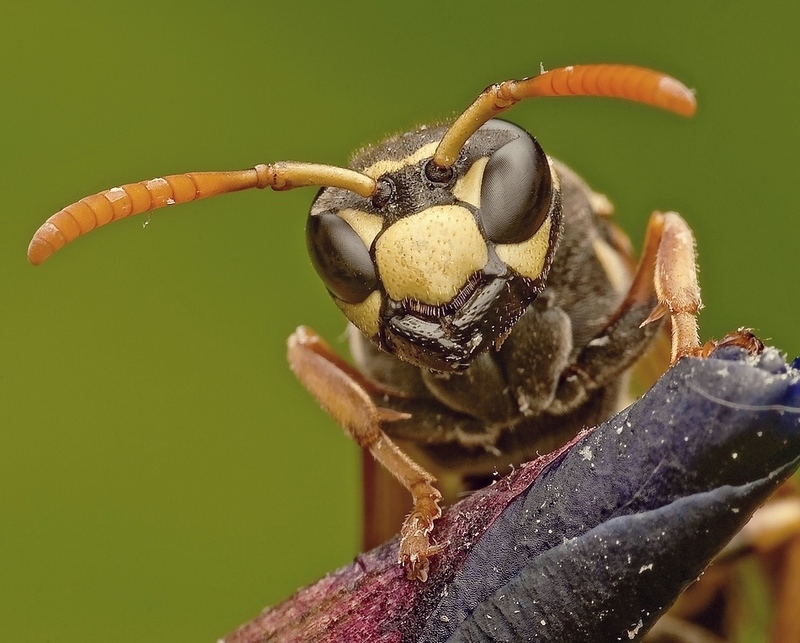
379	168
527	257
366	225
468	187
365	316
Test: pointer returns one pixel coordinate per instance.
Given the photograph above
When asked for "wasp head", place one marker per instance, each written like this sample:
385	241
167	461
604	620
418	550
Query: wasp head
440	263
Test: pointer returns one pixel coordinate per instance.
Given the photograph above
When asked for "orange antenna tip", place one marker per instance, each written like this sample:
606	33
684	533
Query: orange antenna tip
134	198
40	248
636	84
678	96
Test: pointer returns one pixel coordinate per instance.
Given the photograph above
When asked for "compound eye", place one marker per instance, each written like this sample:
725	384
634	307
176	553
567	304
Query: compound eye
340	257
516	190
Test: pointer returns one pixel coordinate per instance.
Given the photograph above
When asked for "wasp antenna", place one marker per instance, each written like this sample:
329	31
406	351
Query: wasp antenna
134	198
615	81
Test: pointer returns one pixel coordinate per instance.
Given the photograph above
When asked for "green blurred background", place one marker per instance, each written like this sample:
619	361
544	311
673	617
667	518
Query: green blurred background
162	475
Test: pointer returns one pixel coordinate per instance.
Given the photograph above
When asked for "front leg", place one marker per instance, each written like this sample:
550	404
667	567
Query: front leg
344	393
665	283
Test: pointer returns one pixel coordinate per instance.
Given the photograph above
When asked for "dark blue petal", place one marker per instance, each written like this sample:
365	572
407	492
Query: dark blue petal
664	484
592	543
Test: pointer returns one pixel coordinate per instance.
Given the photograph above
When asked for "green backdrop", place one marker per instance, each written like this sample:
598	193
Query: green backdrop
162	475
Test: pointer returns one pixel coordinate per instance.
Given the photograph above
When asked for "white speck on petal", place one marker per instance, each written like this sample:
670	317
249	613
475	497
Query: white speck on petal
632	633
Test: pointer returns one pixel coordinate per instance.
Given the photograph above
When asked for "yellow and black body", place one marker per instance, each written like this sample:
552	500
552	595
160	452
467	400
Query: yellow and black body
495	308
474	296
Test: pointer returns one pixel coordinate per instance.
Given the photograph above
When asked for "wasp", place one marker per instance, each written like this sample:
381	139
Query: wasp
494	307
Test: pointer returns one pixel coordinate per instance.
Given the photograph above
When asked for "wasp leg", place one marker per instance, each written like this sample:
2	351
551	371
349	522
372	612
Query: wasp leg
665	282
743	338
676	281
540	352
343	392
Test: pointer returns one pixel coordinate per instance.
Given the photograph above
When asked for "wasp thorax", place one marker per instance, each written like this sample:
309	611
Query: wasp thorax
439	269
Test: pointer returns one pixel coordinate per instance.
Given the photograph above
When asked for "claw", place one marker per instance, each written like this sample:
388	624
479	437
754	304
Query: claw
658	312
416	549
743	338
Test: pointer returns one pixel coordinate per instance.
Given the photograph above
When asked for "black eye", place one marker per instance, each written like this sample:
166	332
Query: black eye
340	257
516	190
